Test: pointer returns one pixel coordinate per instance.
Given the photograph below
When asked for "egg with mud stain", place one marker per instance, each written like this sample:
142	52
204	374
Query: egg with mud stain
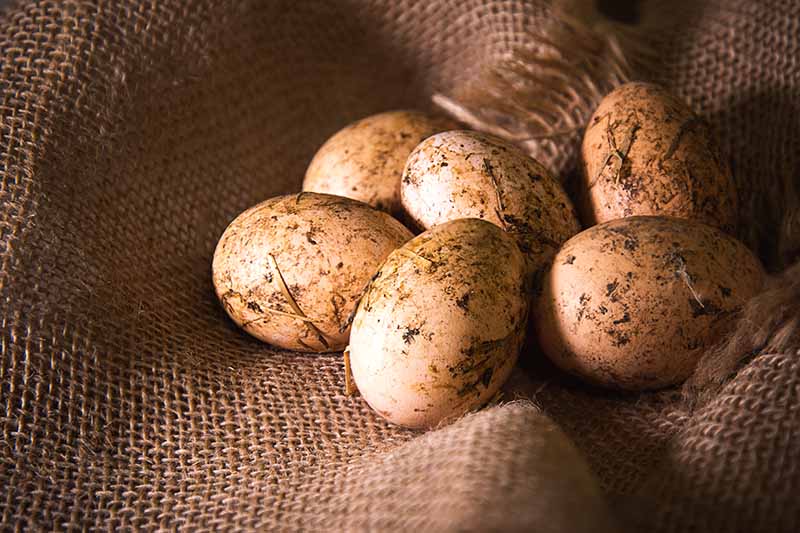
633	303
441	325
646	153
459	174
290	270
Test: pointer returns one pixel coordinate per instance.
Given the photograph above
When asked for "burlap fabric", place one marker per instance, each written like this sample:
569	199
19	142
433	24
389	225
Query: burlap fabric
133	132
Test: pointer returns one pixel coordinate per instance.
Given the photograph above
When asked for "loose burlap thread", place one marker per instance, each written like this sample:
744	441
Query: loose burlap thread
133	132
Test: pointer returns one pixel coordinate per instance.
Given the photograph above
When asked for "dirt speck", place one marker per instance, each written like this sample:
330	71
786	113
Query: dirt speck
703	308
619	338
625	318
463	301
486	377
409	334
611	287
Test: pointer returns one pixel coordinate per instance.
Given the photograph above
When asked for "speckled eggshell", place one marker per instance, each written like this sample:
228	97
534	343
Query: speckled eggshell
632	303
365	160
323	248
440	327
457	174
671	161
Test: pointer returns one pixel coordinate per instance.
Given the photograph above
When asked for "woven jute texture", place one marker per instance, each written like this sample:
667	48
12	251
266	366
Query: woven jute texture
133	132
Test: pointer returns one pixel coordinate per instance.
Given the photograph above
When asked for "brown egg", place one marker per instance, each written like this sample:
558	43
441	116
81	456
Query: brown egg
646	153
365	160
458	174
440	327
290	270
633	303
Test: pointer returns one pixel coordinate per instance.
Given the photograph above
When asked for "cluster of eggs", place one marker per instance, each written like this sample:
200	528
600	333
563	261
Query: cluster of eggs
433	324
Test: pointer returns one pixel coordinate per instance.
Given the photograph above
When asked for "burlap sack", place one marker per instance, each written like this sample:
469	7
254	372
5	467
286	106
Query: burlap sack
133	132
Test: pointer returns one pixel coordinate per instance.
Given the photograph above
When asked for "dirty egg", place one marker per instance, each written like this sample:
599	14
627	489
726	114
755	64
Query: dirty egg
633	303
646	153
458	174
290	270
441	324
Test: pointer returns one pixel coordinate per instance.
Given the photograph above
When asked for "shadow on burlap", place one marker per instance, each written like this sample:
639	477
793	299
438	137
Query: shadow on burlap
133	132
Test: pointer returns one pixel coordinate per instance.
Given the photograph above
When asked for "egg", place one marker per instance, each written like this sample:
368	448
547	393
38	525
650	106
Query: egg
440	326
459	174
365	160
633	303
290	270
645	152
